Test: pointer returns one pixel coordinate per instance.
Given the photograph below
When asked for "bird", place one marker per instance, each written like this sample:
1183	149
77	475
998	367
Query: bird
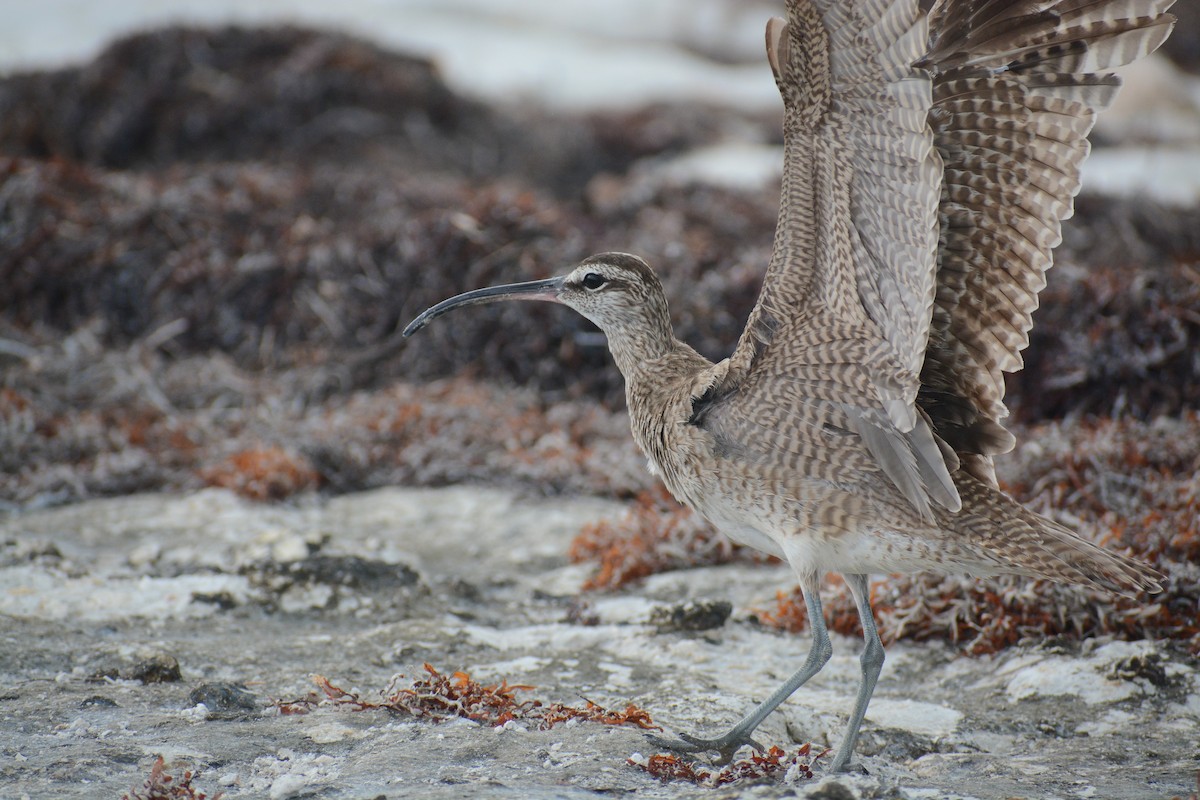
929	161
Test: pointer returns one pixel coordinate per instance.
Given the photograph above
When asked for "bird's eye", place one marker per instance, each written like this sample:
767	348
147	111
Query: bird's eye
593	280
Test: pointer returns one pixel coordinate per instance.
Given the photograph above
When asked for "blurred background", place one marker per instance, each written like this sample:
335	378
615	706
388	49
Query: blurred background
567	56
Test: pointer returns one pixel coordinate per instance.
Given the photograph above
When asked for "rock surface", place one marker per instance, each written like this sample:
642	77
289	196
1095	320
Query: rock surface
251	600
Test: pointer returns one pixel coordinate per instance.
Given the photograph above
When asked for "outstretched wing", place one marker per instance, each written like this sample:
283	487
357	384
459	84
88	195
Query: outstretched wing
1016	86
928	164
843	315
857	229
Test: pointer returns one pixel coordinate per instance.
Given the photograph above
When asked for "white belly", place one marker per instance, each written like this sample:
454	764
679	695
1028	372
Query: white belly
746	534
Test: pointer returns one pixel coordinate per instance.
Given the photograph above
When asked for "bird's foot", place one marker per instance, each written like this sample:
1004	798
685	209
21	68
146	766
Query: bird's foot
726	746
841	766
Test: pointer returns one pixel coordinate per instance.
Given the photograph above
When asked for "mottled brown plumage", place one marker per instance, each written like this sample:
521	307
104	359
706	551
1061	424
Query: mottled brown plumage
928	163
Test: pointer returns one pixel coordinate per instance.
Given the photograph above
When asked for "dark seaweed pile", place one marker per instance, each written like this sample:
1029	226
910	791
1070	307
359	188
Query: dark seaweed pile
290	197
206	220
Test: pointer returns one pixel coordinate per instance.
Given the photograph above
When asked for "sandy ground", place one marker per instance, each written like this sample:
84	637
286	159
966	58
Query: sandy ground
96	597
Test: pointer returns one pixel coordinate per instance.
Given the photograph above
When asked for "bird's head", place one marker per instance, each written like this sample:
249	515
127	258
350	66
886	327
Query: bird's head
617	291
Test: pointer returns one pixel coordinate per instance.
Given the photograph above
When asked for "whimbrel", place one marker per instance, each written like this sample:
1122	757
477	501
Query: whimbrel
929	160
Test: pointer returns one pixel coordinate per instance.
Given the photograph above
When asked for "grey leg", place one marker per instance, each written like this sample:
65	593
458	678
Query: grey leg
728	743
872	663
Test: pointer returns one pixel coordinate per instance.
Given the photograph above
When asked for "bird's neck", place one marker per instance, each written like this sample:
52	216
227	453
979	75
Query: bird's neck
652	367
648	349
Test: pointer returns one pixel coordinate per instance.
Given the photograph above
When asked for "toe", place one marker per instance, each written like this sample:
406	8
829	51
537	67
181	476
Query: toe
725	746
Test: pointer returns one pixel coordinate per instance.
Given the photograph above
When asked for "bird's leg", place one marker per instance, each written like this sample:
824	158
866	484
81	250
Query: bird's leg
728	743
872	663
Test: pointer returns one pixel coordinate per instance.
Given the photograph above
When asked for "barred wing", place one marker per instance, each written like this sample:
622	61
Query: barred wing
1016	86
858	211
843	315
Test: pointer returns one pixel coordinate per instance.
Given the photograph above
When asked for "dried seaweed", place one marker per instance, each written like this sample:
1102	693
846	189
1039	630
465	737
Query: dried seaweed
654	535
775	765
260	236
263	473
439	697
161	786
246	433
1116	339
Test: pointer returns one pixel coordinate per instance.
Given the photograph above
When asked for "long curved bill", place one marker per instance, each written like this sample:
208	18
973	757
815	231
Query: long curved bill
532	290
